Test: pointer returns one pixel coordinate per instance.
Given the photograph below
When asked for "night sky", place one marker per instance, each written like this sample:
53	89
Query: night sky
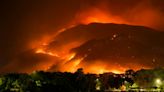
97	35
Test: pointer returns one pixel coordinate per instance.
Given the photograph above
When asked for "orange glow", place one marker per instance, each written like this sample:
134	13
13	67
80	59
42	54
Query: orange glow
42	51
95	15
93	68
71	56
44	33
116	71
86	17
77	62
71	66
64	51
100	69
140	15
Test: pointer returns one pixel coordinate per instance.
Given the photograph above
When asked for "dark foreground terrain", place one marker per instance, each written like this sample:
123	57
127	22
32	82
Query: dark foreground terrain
143	80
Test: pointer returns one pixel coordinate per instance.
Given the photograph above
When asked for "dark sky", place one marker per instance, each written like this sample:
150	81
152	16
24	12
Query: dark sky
26	24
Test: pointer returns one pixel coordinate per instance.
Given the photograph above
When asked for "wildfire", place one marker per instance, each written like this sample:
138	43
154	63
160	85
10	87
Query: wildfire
71	65
42	51
100	69
84	17
96	15
116	71
71	56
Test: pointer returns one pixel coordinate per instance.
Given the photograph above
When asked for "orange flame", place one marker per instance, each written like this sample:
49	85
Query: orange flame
42	51
87	17
96	15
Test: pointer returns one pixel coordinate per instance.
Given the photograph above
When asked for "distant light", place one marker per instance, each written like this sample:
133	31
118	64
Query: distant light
158	82
98	84
115	35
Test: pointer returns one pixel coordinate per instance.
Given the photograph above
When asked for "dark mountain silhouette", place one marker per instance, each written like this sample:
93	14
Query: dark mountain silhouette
115	44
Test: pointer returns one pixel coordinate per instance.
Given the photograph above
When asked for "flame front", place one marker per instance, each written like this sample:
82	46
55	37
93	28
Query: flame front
69	63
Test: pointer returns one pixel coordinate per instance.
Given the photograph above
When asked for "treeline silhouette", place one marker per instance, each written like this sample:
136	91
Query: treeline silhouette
41	81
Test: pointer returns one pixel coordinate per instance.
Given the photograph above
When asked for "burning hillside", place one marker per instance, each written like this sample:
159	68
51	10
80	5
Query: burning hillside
107	47
97	35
